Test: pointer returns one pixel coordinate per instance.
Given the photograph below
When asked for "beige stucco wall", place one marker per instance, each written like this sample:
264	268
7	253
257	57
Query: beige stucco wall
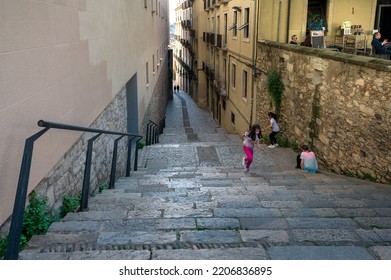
64	61
239	52
273	17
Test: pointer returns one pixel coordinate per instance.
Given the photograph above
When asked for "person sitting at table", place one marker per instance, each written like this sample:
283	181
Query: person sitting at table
293	40
378	46
306	42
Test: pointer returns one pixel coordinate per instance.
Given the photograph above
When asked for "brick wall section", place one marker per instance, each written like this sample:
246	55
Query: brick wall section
338	103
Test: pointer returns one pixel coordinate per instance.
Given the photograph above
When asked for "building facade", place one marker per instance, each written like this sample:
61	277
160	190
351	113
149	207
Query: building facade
81	62
227	44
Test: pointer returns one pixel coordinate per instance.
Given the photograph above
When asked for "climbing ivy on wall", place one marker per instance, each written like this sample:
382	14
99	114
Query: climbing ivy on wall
275	88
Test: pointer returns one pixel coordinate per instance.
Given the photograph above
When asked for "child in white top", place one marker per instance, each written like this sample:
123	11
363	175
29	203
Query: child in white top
275	129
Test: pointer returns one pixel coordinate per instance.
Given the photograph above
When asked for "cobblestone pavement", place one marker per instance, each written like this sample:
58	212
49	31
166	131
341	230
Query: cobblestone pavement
191	199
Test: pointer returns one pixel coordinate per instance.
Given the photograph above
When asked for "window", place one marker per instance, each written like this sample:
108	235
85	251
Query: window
224	105
224	72
218	24
157	58
153	11
233	26
232	118
147	74
244	87
145	4
246	23
225	29
153	64
233	77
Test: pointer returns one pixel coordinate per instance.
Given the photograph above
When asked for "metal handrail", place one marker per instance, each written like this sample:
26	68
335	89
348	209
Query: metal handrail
15	231
156	132
153	131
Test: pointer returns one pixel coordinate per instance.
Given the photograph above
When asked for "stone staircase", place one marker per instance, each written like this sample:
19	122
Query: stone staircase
191	199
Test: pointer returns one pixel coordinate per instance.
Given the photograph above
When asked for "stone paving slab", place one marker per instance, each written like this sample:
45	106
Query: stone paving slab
76	226
356	212
270	236
246	212
324	235
27	255
383	211
385	234
218	223
324	223
209	236
173	224
112	255
96	215
129	225
39	241
377	222
319	253
309	212
383	252
263	223
211	254
136	237
145	214
369	236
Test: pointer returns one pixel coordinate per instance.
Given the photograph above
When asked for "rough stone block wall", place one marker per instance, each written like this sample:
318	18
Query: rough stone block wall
157	106
66	178
338	103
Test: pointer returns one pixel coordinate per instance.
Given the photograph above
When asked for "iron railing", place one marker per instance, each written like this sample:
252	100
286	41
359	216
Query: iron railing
15	231
153	131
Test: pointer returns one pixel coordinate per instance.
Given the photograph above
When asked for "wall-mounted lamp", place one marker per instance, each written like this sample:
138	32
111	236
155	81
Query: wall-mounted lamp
236	8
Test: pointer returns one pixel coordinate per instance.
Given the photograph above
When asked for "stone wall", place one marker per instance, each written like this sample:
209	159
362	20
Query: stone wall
157	106
66	178
338	103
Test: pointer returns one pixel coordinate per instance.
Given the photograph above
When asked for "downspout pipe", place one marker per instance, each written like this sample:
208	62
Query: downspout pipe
253	61
288	22
278	21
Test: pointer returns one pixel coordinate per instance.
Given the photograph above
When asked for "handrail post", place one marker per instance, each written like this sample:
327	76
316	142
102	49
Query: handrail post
136	155
150	134
87	174
114	163
129	158
20	198
147	136
157	134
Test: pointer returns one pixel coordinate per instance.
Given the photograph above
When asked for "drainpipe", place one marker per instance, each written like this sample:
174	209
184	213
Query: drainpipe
289	21
278	21
254	56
